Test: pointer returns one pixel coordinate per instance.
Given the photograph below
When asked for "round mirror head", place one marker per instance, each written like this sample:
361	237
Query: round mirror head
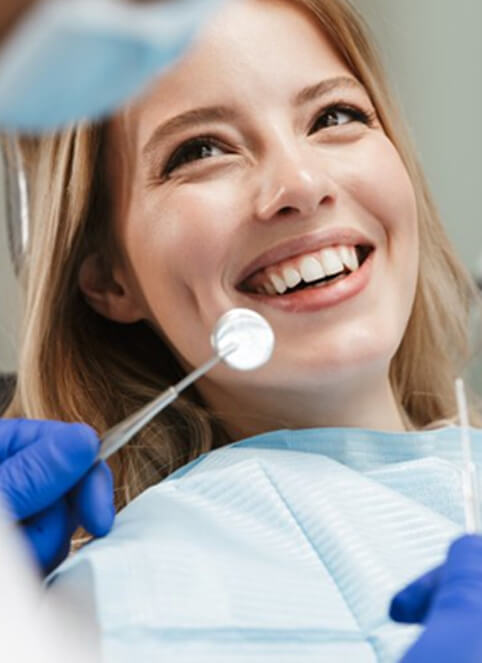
249	333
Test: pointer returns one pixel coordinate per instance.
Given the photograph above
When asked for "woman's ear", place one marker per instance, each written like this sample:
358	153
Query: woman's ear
108	293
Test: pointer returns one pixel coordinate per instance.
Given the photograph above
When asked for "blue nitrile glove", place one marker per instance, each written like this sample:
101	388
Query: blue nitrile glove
448	600
48	483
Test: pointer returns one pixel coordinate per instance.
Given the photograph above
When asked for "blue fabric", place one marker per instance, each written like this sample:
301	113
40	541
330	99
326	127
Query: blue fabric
81	59
284	547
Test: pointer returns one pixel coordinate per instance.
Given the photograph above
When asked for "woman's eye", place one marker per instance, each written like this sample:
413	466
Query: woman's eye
338	116
194	150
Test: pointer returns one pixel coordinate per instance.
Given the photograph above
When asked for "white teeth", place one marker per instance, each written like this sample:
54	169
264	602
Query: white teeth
331	261
349	257
311	269
291	276
278	283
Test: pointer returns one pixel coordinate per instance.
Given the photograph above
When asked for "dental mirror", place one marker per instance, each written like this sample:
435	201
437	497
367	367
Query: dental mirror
249	332
241	338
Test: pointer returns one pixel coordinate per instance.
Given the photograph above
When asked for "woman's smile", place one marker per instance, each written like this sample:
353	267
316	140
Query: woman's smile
310	272
315	293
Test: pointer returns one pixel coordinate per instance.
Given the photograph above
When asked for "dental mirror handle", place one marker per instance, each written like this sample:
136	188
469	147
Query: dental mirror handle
117	436
469	469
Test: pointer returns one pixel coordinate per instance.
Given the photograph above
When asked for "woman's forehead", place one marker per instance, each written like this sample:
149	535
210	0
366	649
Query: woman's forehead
254	51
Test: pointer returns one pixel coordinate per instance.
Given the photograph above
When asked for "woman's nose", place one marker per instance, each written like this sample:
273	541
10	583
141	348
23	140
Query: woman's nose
293	182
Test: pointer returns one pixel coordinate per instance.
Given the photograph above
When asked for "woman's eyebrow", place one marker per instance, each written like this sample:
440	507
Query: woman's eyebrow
324	87
207	114
185	120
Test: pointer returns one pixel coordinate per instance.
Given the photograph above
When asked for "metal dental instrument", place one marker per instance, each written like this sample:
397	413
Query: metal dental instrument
15	206
241	338
469	470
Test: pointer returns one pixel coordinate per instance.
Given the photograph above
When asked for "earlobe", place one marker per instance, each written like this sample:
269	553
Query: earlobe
108	295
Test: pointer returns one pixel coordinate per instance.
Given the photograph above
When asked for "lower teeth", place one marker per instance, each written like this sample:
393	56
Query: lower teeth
322	284
325	283
309	286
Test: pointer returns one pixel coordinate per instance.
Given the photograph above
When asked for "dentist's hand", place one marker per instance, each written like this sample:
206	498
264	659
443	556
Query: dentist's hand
448	600
48	482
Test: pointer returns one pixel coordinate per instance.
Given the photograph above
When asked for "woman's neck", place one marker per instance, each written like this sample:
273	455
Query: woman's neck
245	413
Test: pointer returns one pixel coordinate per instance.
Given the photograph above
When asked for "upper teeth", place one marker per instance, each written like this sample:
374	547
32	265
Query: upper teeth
309	267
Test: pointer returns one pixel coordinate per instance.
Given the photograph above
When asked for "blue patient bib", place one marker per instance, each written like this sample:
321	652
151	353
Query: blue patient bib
285	547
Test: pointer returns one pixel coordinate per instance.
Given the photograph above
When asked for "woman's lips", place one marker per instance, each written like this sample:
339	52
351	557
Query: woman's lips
294	247
316	298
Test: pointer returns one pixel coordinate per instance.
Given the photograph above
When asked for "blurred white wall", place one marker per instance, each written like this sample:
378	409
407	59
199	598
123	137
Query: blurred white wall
433	52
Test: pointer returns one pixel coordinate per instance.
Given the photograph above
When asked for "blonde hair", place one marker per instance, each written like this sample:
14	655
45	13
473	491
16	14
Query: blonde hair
75	365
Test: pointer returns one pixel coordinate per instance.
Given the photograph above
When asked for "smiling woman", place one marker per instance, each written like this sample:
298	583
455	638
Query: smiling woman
268	169
273	172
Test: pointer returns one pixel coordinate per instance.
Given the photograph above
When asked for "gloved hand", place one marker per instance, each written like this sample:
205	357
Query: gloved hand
448	600
47	481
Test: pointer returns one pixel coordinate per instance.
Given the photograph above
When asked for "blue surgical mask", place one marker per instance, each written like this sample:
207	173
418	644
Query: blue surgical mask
71	60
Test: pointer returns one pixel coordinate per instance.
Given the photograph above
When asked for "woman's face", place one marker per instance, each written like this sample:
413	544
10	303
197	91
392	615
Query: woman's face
261	168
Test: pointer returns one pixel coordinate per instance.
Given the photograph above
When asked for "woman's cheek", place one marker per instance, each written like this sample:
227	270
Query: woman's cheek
389	190
185	237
